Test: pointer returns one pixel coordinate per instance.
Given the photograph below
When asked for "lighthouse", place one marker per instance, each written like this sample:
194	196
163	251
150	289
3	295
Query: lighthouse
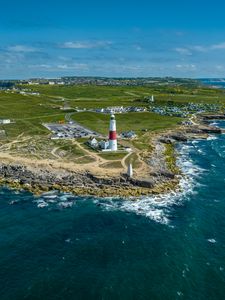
112	134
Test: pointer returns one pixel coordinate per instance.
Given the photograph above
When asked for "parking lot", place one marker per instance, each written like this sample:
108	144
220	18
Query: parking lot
69	131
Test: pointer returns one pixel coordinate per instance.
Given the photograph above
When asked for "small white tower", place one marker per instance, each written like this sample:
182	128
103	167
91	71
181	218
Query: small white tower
130	170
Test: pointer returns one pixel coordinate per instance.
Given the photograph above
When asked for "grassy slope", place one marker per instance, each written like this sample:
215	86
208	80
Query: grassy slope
90	95
129	121
30	111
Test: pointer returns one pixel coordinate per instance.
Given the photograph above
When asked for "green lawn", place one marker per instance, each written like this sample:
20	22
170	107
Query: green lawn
94	96
130	121
30	111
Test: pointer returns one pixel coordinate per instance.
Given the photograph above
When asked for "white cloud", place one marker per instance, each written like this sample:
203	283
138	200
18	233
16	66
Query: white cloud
76	66
22	48
55	67
218	46
183	51
199	48
85	45
185	67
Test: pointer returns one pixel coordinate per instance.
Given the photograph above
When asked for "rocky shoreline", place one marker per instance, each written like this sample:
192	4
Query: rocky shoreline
160	180
21	177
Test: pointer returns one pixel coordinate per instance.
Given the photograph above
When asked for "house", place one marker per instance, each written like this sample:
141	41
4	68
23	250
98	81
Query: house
128	134
93	142
5	121
104	145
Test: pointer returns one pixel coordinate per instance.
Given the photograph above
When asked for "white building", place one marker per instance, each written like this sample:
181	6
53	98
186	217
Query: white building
93	143
104	145
5	121
128	134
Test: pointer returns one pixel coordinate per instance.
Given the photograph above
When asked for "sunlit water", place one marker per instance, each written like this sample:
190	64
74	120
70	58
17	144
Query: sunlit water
170	247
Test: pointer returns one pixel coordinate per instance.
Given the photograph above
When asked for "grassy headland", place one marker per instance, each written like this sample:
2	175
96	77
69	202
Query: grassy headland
26	137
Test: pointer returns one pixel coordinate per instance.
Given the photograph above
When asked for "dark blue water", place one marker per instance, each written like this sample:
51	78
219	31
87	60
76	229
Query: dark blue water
219	83
171	247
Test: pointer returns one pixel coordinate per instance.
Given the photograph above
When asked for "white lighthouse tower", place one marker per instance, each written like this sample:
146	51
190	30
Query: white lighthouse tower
112	134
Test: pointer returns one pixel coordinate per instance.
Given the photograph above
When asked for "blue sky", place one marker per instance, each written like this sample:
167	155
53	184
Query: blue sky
112	38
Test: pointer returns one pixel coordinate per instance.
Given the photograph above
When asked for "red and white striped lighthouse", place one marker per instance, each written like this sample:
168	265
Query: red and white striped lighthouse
112	134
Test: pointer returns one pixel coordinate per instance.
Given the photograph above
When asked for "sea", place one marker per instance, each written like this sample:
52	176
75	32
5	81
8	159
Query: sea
214	82
58	246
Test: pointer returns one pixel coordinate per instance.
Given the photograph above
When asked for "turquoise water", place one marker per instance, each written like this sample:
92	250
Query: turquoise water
115	249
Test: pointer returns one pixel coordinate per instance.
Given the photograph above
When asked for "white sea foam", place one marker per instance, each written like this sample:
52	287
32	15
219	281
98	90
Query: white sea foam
160	207
55	199
50	196
64	197
67	204
42	204
49	193
212	137
215	124
213	241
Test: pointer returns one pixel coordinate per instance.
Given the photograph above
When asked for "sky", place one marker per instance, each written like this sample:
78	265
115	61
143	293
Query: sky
141	38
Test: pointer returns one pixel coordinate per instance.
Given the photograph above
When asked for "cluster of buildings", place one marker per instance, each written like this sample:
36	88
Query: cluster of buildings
95	144
184	110
25	92
174	111
37	81
111	143
72	130
104	81
120	109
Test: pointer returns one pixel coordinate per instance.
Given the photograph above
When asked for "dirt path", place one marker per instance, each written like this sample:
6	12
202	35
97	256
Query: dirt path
96	166
123	161
132	94
7	146
54	152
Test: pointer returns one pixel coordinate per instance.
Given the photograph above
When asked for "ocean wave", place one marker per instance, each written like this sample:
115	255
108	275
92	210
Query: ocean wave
55	199
159	208
215	124
212	137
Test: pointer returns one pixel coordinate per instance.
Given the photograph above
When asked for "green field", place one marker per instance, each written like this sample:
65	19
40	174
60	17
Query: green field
29	112
129	121
91	96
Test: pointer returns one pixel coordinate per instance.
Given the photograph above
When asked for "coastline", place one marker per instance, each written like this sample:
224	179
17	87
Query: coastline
163	177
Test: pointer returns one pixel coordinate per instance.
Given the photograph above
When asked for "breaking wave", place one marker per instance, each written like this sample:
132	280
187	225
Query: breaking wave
159	208
55	200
